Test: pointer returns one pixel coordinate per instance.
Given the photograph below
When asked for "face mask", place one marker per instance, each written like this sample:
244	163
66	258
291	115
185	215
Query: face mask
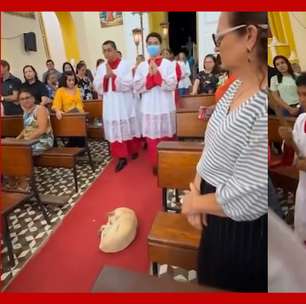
153	50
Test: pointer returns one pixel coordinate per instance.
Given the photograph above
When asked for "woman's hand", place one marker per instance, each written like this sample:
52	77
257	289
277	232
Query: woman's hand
59	115
293	111
188	208
195	220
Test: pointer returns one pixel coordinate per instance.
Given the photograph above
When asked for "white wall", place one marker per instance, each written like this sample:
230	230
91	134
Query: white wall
132	21
55	39
13	51
206	25
298	22
91	36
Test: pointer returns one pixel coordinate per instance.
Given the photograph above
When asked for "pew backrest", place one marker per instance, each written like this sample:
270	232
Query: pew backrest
94	108
71	125
188	125
17	159
194	102
11	126
177	163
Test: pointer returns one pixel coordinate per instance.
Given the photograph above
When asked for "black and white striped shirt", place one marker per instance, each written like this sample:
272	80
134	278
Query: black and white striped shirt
234	159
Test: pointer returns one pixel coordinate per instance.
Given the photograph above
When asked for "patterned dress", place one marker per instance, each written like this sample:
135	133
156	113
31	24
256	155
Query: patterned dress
45	141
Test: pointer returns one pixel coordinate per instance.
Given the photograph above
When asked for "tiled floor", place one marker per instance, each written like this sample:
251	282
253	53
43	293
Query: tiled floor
29	230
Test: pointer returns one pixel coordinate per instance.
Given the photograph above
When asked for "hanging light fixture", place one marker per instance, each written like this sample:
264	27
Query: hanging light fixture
165	28
137	36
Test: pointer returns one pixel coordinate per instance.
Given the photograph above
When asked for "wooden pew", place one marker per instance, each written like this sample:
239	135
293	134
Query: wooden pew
114	279
194	102
273	125
94	108
173	241
71	125
188	125
177	165
11	125
286	177
17	162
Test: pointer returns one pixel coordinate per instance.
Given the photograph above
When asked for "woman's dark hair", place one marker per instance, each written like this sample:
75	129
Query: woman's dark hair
99	61
301	80
63	80
68	63
216	68
24	90
80	65
33	69
278	73
155	35
259	19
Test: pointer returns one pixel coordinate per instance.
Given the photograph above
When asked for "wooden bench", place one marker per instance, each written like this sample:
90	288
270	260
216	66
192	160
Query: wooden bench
11	126
188	125
71	125
17	162
94	108
273	126
286	177
194	102
115	279
173	241
177	163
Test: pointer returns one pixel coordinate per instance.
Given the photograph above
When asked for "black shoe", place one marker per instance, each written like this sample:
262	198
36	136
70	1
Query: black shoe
121	164
134	156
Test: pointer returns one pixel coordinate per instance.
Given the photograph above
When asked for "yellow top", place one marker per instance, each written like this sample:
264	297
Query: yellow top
64	101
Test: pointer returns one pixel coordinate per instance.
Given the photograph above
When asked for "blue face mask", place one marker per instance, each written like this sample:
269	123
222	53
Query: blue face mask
153	50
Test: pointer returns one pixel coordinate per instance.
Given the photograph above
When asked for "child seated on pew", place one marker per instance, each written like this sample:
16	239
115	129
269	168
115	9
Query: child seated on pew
297	139
37	126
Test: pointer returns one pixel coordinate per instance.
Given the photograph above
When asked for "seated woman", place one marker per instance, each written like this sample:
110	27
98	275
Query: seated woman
283	87
207	80
68	99
36	121
84	83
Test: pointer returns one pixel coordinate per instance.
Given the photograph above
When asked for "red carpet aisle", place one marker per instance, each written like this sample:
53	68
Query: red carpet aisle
70	261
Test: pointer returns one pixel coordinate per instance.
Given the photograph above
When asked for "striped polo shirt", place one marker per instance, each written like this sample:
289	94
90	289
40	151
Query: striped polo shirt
234	159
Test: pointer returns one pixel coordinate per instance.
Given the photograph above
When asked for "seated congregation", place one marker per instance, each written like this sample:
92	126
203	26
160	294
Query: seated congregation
204	138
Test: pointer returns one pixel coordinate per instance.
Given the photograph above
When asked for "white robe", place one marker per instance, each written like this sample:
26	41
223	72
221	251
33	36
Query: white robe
185	81
119	106
299	136
157	104
286	258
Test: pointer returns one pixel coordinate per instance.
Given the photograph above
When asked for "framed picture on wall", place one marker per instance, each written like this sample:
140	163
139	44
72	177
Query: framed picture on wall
23	14
108	19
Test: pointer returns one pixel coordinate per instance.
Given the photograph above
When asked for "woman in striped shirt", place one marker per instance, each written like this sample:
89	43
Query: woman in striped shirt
229	194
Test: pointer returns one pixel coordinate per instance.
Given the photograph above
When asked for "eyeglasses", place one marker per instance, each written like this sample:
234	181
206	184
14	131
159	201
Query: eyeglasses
217	38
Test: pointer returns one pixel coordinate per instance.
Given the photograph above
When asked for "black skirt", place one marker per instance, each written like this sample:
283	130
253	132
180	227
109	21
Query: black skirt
233	255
